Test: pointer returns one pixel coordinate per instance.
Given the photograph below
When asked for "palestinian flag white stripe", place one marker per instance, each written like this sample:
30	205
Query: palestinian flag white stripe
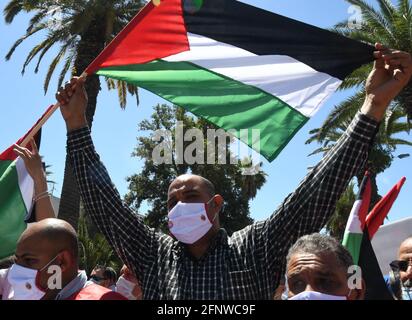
354	223
295	83
26	185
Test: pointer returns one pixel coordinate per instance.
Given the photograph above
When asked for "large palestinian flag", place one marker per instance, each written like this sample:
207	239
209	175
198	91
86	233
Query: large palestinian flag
16	196
235	65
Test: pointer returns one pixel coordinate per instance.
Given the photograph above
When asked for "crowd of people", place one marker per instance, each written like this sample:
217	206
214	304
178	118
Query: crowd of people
283	256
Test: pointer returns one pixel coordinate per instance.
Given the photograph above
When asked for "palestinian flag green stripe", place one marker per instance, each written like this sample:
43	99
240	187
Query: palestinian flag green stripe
228	103
352	242
15	197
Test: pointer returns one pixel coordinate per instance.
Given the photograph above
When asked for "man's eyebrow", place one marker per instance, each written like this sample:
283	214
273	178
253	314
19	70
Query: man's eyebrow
185	192
317	272
325	273
25	255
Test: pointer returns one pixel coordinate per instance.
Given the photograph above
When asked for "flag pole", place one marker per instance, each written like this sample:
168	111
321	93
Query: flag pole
46	117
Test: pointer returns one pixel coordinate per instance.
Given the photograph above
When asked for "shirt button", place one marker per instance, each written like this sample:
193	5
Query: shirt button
28	286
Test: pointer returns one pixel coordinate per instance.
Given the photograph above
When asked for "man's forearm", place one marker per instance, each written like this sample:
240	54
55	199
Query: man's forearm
44	208
75	124
373	110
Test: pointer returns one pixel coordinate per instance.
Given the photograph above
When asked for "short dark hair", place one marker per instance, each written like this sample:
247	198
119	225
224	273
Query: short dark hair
110	274
317	244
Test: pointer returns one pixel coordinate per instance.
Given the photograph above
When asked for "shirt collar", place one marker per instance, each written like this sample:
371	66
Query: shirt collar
73	286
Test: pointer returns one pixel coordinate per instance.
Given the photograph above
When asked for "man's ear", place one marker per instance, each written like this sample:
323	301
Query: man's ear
217	202
65	260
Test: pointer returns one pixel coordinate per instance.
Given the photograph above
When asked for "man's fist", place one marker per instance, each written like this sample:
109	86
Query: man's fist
391	73
73	103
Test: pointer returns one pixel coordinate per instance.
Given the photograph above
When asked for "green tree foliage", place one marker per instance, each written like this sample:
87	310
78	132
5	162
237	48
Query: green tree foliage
94	249
151	185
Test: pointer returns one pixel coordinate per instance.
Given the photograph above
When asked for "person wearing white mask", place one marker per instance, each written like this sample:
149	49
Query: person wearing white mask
199	260
317	269
128	285
46	267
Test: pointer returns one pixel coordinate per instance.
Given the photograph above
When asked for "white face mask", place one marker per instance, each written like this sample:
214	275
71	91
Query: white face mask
125	288
313	295
23	282
189	222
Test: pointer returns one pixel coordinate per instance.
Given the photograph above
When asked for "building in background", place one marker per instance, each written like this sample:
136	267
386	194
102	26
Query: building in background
55	204
387	240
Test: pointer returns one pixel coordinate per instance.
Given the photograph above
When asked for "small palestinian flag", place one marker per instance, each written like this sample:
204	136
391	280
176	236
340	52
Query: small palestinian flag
361	229
16	196
352	239
235	65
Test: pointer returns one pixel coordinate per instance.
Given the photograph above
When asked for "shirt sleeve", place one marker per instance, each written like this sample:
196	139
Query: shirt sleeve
133	241
307	210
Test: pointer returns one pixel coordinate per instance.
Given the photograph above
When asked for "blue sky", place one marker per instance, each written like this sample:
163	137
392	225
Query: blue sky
115	130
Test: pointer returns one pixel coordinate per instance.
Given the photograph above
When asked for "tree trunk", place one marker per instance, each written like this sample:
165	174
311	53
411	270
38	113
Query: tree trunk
91	44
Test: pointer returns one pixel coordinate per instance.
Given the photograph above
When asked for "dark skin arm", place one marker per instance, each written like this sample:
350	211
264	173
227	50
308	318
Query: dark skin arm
32	160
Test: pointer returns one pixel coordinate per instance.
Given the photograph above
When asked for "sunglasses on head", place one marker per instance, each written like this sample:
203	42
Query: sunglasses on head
401	265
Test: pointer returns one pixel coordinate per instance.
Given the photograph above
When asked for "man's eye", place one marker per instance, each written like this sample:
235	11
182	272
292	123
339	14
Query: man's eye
297	286
327	284
30	262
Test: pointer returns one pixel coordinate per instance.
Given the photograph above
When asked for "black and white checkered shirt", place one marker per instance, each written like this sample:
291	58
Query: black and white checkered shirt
247	265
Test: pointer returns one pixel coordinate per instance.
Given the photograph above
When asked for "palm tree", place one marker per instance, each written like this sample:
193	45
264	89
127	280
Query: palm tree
391	25
81	29
94	248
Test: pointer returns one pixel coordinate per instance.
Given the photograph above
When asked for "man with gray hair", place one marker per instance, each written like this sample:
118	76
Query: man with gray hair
318	269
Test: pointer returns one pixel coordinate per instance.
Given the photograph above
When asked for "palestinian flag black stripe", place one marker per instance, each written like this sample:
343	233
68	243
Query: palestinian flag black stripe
265	33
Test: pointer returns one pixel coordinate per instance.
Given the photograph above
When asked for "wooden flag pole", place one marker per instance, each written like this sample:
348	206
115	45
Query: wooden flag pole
41	123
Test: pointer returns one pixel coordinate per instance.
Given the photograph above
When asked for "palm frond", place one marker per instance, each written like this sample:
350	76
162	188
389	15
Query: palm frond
375	20
12	9
20	40
388	9
398	142
66	67
346	110
53	66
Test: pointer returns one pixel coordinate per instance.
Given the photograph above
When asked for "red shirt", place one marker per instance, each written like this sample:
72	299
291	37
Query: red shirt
96	292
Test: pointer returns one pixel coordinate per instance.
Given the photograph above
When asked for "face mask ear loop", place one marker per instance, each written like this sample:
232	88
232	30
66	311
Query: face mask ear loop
348	295
217	213
38	273
49	263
